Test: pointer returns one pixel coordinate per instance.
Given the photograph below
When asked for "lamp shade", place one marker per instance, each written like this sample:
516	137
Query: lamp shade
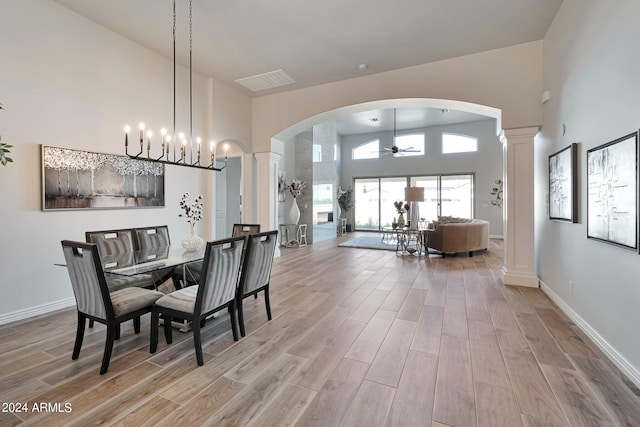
414	194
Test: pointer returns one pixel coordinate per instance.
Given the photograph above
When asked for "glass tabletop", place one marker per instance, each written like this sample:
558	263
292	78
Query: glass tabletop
149	260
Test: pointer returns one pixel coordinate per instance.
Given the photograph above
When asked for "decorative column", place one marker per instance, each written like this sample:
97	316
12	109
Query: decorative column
518	207
266	185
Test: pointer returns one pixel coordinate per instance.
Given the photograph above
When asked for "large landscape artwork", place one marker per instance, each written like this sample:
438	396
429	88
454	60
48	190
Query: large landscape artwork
612	192
74	179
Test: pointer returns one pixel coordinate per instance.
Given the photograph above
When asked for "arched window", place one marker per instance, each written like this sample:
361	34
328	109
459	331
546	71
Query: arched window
368	150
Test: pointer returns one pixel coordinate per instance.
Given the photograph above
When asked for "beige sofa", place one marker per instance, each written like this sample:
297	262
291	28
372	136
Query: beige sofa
460	237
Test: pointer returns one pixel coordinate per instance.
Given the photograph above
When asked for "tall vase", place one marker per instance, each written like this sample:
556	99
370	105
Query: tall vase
401	220
294	212
192	242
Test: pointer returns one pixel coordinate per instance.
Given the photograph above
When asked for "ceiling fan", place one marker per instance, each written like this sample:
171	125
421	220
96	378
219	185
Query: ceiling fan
395	149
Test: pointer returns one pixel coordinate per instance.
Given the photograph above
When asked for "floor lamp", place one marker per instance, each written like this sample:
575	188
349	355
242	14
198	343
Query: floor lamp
414	195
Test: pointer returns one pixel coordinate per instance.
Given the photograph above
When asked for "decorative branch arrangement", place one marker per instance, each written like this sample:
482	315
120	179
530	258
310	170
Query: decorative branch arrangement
295	187
193	212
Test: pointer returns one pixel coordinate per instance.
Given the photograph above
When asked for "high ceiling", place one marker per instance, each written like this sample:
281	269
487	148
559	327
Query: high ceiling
318	42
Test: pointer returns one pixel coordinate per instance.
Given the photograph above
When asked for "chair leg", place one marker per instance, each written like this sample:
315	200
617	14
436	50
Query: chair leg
232	316
108	347
266	302
117	331
90	323
240	316
153	343
197	341
168	333
136	325
82	320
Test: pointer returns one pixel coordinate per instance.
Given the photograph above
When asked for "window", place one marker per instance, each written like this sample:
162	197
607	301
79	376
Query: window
317	153
456	196
453	143
368	150
443	195
366	194
335	152
414	142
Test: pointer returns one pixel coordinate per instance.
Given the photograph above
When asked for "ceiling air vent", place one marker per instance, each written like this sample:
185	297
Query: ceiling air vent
266	81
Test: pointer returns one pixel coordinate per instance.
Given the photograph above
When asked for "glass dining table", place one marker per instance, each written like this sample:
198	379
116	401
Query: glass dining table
150	260
161	261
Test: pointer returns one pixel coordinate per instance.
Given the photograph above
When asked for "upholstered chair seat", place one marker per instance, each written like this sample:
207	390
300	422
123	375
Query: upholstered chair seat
181	300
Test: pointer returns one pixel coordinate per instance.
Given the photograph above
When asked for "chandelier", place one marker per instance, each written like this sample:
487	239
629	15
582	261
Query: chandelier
177	149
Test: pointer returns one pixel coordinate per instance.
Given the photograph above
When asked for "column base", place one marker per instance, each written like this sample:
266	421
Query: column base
520	279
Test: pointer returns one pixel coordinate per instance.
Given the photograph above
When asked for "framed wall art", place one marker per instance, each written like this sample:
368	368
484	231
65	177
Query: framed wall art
563	184
74	179
612	192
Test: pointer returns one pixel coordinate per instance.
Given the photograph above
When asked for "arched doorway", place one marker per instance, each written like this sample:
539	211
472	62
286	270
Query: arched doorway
323	178
228	189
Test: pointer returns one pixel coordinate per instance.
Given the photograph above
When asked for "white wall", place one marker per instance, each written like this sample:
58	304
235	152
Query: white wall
486	163
69	82
591	68
509	79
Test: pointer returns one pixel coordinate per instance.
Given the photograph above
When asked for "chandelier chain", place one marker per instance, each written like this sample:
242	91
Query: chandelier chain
177	142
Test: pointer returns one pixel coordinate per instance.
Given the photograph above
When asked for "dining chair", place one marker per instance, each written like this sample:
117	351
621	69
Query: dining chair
215	291
96	302
154	239
256	271
117	247
245	229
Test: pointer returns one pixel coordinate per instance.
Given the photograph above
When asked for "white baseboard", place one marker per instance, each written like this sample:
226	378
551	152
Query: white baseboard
496	236
623	364
35	311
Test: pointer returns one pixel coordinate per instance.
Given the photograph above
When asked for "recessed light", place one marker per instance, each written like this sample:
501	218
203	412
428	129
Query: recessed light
363	67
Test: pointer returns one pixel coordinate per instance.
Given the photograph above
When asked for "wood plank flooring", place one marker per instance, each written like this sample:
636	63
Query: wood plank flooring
358	338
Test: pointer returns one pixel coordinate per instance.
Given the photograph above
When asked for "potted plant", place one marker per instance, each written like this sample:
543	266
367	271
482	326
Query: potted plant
345	202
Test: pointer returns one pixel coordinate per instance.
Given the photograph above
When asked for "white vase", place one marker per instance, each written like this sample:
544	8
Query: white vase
294	212
192	242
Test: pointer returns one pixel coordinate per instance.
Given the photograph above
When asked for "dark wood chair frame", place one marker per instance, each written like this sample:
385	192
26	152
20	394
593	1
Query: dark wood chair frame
240	295
238	229
197	318
112	321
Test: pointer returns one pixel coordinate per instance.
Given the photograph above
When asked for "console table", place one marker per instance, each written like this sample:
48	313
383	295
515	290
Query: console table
291	235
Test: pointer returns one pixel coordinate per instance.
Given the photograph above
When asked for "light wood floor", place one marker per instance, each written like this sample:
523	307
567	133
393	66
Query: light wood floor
359	337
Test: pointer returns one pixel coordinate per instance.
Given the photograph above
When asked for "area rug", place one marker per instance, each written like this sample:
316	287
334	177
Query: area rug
369	242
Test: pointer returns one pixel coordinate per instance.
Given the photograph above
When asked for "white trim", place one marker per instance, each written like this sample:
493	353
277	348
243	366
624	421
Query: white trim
623	364
496	236
519	278
35	311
